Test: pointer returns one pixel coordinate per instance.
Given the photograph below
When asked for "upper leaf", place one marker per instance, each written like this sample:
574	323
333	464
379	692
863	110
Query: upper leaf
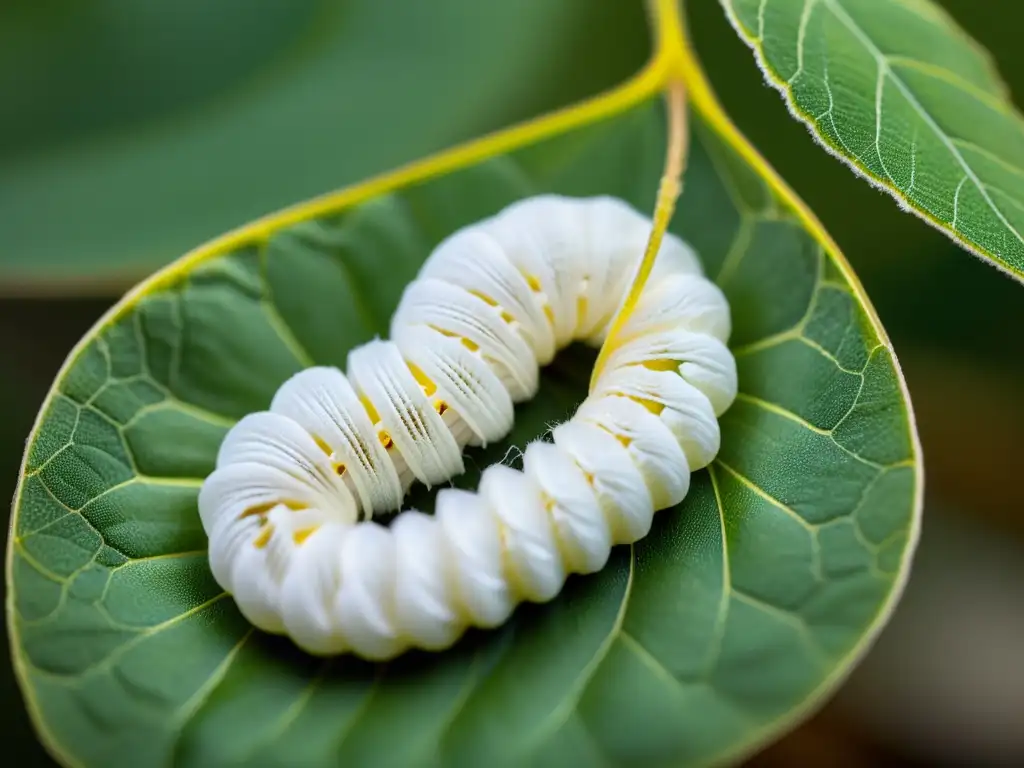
897	90
744	606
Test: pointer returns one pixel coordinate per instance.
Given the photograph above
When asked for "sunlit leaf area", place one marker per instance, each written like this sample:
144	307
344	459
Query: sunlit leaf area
200	201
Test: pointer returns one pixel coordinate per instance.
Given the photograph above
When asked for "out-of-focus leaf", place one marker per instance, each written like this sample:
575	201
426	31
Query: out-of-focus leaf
131	130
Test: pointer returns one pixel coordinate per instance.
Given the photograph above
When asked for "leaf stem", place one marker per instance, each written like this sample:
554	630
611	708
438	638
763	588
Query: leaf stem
669	189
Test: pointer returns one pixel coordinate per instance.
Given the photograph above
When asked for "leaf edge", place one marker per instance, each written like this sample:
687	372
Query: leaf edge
773	78
706	103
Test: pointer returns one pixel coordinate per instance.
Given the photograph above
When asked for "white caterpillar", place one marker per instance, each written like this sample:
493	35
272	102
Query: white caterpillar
287	507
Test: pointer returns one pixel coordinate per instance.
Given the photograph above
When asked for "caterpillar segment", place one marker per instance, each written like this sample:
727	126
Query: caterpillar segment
289	508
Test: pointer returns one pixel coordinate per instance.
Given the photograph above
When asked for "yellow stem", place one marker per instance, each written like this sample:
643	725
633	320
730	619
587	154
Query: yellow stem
670	27
670	41
668	23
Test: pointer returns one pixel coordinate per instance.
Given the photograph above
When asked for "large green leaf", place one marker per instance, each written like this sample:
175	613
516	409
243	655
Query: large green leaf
900	93
744	607
129	131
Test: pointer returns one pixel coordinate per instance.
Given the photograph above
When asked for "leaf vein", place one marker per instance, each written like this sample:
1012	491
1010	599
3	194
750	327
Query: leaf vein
840	14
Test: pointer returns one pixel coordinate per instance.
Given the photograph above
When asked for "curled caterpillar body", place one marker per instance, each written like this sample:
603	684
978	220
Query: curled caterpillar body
288	508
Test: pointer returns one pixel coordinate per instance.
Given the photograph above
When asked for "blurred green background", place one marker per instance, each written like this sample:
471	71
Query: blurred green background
132	130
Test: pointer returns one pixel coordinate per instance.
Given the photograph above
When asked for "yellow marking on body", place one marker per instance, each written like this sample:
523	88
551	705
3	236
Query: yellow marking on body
483	297
258	510
263	509
322	445
263	538
299	536
370	410
515	584
661	365
492	302
472	346
651	405
623	439
427	383
534	283
385	438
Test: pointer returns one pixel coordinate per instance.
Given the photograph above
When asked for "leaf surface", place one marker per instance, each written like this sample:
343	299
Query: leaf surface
743	608
906	98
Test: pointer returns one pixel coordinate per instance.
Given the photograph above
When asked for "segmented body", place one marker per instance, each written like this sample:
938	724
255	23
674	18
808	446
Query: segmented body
287	509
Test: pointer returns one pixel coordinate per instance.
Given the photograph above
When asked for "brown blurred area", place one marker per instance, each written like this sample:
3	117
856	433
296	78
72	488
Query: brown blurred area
944	684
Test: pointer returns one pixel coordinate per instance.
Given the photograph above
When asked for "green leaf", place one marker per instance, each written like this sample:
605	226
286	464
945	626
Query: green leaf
743	608
129	132
907	99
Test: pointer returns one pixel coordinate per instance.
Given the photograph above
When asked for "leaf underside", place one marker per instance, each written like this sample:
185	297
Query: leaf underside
902	94
743	606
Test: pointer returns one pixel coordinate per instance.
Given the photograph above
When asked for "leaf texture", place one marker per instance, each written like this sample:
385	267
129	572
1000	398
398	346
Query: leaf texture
900	93
740	611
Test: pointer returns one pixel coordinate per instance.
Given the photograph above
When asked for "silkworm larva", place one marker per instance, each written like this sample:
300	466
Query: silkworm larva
287	508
